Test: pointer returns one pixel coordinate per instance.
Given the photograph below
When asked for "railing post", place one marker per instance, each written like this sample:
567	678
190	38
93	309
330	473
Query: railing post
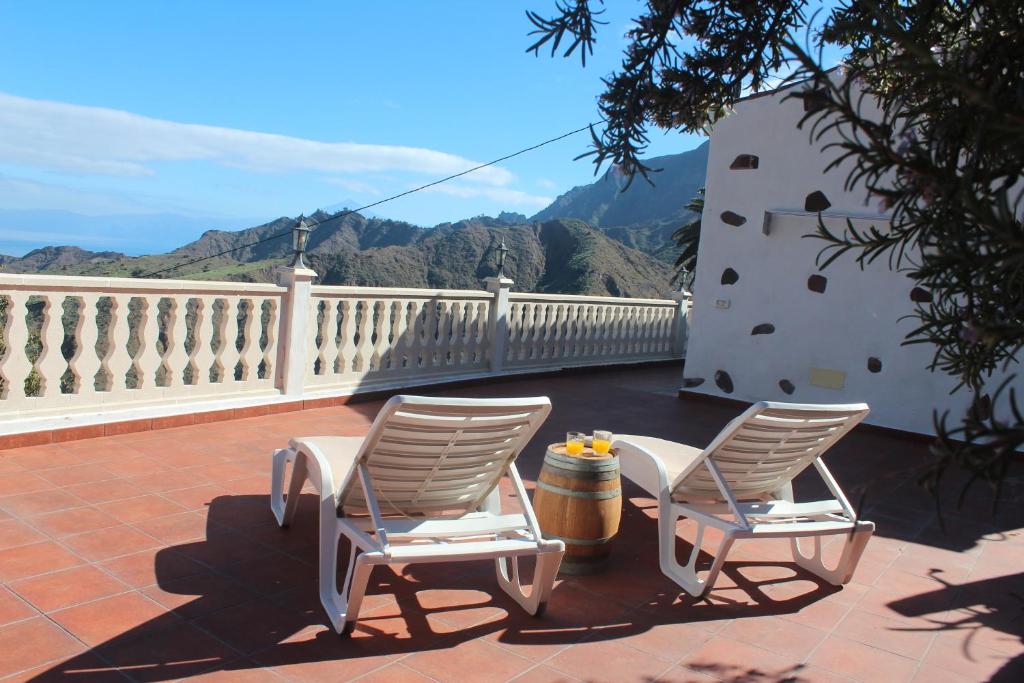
681	324
497	321
291	348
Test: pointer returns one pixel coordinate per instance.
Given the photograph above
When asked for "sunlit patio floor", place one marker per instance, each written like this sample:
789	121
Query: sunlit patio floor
154	556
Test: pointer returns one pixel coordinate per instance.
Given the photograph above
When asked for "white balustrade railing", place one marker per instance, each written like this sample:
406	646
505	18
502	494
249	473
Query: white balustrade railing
365	337
111	346
560	330
76	343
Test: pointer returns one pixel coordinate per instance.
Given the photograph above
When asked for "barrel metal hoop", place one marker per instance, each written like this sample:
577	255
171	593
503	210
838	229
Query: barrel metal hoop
583	464
585	475
591	495
578	541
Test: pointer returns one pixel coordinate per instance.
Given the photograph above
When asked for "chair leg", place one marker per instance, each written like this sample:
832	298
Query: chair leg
544	575
342	607
686	575
853	548
282	507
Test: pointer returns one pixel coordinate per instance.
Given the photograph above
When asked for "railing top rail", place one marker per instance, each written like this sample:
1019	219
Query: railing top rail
399	292
576	298
119	285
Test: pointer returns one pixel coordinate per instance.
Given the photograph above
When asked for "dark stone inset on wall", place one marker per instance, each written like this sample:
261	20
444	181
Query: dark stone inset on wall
723	381
814	100
732	218
816	201
920	295
730	276
763	328
744	161
691	382
874	364
786	386
817	283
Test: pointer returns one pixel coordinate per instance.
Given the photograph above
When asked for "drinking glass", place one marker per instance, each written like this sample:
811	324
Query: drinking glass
602	442
574	443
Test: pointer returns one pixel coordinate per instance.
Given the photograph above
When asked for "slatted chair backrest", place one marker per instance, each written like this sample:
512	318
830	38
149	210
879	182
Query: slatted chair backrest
426	454
766	447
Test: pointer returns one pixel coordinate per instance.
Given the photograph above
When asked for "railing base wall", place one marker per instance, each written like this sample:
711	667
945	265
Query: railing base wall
41	431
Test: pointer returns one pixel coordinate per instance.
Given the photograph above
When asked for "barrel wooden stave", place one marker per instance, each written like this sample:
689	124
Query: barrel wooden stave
579	500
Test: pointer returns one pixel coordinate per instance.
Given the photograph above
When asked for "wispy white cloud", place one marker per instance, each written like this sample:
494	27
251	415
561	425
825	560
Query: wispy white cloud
504	195
21	193
546	184
67	137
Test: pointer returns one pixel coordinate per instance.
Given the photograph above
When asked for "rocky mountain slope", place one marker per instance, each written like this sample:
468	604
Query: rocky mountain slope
645	215
563	256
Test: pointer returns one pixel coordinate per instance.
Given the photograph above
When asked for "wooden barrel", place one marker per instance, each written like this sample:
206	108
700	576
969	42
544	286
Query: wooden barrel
579	500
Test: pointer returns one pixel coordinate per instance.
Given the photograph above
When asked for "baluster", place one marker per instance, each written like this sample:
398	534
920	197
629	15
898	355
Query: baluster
202	353
512	343
631	330
51	364
660	331
250	353
615	345
638	332
230	353
542	331
622	323
401	336
147	357
84	362
382	311
431	329
175	356
15	366
472	339
457	340
312	332
583	331
648	335
418	324
220	341
327	350
583	347
397	314
270	350
480	340
529	325
347	352
118	360
364	348
600	329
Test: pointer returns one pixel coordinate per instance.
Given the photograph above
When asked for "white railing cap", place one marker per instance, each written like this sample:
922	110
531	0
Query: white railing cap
398	292
583	299
116	285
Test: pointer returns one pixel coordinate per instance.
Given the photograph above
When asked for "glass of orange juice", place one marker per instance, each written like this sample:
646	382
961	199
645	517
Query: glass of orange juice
574	443
602	442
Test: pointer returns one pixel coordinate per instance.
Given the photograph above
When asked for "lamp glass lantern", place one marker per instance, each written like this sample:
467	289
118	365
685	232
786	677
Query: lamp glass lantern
300	235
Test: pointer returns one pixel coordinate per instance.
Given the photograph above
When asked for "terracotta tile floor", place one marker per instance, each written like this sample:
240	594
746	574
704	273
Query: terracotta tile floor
154	556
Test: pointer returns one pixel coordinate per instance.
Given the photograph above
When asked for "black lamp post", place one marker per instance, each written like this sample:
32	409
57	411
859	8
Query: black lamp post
300	234
502	252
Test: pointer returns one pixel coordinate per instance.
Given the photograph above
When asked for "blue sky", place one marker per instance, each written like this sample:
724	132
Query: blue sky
239	112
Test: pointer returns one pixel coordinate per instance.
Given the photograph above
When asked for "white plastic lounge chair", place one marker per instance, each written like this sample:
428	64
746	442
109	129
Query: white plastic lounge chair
742	484
421	487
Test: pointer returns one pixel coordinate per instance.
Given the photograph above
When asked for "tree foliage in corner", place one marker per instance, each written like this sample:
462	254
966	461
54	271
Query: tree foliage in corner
944	151
687	239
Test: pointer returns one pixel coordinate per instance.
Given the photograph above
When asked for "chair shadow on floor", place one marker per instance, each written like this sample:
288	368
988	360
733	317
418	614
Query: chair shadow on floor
247	598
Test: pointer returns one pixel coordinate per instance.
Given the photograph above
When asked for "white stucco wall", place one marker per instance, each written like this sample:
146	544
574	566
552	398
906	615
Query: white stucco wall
857	317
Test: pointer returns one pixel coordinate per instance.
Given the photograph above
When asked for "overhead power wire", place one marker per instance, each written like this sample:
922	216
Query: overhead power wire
347	212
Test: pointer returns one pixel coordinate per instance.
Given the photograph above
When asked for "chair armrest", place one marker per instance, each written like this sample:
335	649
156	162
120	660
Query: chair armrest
319	470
